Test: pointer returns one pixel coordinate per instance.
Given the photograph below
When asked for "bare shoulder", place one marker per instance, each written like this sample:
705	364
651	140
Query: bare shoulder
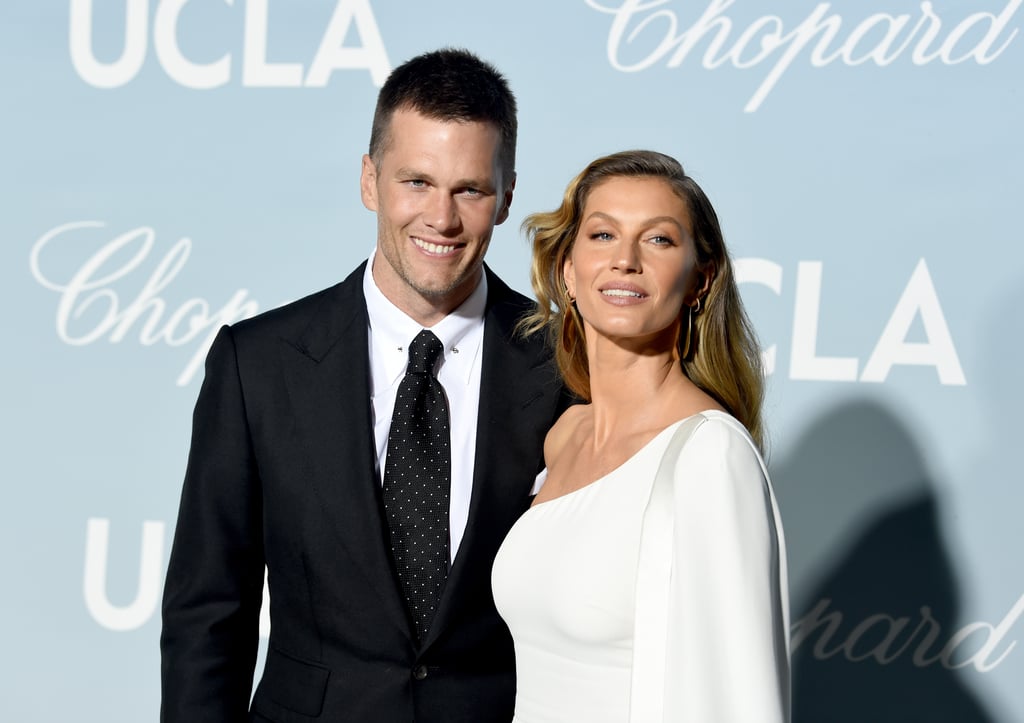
562	431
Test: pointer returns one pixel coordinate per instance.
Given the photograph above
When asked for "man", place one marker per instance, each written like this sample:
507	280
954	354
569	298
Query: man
296	465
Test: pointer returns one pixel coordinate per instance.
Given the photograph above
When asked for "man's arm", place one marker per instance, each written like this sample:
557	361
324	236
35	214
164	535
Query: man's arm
214	580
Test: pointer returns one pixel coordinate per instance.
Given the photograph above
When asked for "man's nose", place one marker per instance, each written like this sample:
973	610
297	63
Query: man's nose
442	213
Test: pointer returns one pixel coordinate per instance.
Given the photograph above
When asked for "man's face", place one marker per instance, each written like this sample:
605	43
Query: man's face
438	195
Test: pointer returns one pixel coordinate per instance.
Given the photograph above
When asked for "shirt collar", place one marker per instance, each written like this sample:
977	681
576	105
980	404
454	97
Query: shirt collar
461	332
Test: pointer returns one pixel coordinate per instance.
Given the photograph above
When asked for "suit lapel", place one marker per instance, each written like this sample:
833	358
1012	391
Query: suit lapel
328	378
517	404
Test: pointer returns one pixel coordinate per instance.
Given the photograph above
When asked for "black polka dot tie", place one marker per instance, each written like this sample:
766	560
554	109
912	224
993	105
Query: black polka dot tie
417	479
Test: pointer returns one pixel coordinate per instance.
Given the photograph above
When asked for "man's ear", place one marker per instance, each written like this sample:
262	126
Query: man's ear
368	183
506	201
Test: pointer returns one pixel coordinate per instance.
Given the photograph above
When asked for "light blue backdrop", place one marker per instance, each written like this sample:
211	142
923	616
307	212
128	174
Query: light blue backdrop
166	166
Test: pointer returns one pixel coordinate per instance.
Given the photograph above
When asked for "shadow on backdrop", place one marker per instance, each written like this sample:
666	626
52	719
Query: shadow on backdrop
871	578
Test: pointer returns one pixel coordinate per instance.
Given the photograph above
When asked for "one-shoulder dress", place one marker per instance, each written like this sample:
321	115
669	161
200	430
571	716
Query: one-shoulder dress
565	582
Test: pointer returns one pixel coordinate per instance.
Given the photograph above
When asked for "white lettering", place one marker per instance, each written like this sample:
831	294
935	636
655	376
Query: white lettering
769	42
893	626
802	629
921	658
686	41
332	54
257	71
804	362
920	54
994	638
126	67
90	289
621	21
919	297
881	53
178	67
650	31
135	614
796	41
886	650
982	51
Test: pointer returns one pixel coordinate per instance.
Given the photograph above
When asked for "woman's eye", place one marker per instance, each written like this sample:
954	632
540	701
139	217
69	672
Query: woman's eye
601	236
662	241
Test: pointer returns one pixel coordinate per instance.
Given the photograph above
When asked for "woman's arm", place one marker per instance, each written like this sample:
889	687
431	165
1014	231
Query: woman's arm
728	630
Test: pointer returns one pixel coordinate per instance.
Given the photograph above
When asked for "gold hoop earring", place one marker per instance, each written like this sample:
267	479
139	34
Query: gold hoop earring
570	319
689	345
689	334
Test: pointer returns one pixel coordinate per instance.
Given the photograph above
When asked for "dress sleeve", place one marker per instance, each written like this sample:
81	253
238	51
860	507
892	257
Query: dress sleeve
727	657
214	582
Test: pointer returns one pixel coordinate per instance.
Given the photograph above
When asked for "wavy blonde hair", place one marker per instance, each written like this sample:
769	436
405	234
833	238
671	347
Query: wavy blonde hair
724	358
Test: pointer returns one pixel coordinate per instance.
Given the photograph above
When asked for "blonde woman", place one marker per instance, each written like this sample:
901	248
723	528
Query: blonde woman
647	582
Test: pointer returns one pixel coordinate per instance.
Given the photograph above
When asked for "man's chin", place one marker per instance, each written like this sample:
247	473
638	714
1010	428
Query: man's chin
437	292
444	289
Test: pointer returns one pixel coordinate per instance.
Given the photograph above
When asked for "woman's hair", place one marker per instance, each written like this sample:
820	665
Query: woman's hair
723	359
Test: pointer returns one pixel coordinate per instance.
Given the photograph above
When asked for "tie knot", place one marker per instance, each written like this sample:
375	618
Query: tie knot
423	353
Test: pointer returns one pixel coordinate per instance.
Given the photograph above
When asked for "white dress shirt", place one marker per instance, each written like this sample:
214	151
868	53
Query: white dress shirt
462	334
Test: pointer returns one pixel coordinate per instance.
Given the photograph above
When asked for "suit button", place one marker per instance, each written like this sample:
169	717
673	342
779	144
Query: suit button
419	672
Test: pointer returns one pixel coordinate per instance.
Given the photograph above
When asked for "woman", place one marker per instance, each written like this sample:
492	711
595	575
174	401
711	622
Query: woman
648	580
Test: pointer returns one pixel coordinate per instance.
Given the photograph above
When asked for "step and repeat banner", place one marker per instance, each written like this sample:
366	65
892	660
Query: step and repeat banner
169	166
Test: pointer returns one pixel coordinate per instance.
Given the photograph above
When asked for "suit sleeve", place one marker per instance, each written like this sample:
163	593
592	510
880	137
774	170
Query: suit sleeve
214	584
728	647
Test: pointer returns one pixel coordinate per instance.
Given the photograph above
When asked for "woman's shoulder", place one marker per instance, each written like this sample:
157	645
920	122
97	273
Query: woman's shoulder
562	430
717	422
569	420
719	440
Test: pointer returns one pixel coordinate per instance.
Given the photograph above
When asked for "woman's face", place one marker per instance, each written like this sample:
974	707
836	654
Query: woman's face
634	264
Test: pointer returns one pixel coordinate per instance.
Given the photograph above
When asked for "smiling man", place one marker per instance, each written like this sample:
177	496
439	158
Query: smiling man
369	446
439	187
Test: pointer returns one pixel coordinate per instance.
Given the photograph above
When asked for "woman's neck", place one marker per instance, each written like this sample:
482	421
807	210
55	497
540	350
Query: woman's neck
633	390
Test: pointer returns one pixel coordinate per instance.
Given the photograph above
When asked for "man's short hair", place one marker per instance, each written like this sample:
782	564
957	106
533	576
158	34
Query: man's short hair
450	84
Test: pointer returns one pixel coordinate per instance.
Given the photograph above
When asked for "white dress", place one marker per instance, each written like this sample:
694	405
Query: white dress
564	581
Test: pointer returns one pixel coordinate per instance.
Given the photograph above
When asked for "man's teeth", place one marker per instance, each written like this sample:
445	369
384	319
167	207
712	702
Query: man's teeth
621	292
429	247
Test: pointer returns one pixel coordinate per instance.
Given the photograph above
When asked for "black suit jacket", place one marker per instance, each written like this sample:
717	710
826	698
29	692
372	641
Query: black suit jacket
281	473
